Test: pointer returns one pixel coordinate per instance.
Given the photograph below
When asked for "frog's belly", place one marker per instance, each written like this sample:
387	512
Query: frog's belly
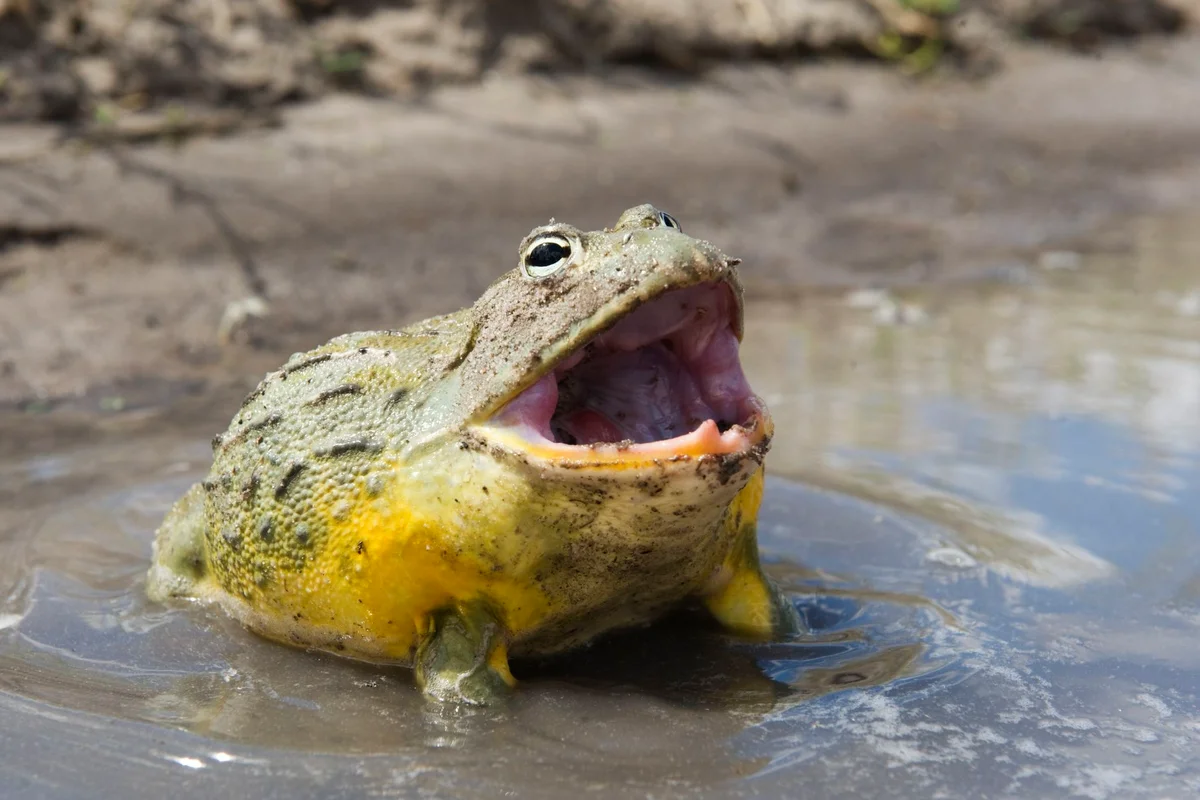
378	608
555	572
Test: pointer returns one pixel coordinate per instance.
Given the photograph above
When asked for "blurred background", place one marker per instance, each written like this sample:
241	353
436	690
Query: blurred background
970	233
192	189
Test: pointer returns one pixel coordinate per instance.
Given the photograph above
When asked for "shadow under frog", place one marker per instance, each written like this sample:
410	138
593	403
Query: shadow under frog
681	669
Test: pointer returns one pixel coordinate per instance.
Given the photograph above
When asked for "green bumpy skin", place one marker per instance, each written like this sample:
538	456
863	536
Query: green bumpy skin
361	503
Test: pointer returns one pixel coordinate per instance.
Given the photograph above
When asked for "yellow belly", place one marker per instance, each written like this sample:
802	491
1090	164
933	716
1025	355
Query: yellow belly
556	563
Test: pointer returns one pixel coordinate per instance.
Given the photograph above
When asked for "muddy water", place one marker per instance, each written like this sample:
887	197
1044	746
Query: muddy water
983	502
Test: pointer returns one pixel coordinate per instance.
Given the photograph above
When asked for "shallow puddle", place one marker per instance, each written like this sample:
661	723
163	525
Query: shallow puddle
984	502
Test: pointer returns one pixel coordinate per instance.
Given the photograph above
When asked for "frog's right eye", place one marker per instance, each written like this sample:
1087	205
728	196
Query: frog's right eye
546	255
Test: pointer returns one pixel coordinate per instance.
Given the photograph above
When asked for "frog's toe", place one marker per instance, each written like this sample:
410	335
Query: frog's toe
464	658
477	687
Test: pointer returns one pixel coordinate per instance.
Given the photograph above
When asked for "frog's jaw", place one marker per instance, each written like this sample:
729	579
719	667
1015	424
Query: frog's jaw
706	441
663	383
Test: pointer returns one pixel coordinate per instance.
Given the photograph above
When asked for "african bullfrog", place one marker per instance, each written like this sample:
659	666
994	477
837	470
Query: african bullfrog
576	452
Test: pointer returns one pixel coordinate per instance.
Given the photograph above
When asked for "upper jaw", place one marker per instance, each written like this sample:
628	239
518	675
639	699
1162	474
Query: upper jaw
663	382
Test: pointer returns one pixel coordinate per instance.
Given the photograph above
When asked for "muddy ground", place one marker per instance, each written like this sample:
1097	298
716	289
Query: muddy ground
150	284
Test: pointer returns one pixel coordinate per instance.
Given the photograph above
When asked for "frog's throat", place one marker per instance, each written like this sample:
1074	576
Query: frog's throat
664	382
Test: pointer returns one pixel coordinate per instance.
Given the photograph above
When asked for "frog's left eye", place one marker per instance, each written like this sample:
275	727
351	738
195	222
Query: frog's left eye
668	221
546	255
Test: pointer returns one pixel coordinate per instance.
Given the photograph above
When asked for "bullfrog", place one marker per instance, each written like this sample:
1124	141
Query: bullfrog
578	451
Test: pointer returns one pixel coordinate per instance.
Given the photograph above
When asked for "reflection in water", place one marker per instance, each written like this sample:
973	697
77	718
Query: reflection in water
951	417
1119	340
1008	543
994	545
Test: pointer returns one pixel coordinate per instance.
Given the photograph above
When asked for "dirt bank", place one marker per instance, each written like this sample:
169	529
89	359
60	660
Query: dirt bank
122	267
133	69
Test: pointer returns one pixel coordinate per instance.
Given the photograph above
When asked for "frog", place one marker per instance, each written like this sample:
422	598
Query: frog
577	452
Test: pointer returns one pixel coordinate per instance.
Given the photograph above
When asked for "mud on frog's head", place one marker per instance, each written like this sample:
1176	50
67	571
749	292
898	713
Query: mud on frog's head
614	348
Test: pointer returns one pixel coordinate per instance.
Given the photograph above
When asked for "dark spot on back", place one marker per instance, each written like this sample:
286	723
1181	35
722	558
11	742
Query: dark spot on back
265	421
305	364
293	472
337	391
362	445
361	548
266	529
397	396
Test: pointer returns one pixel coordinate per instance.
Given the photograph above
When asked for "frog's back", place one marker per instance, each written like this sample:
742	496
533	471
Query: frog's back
324	430
370	386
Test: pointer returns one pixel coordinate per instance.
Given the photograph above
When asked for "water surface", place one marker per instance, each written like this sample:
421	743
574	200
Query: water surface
983	500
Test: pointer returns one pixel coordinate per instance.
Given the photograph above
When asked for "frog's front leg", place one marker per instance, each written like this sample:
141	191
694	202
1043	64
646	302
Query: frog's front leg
463	657
741	597
748	603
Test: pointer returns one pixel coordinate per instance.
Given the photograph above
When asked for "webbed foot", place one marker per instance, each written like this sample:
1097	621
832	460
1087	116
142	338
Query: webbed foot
464	658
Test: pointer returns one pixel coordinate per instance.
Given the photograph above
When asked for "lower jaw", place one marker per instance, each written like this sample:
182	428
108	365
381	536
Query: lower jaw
705	440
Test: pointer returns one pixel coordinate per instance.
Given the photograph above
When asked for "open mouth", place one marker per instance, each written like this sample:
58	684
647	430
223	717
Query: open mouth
664	381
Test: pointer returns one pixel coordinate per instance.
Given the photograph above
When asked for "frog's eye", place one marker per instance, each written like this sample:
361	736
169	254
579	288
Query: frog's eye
546	255
668	221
